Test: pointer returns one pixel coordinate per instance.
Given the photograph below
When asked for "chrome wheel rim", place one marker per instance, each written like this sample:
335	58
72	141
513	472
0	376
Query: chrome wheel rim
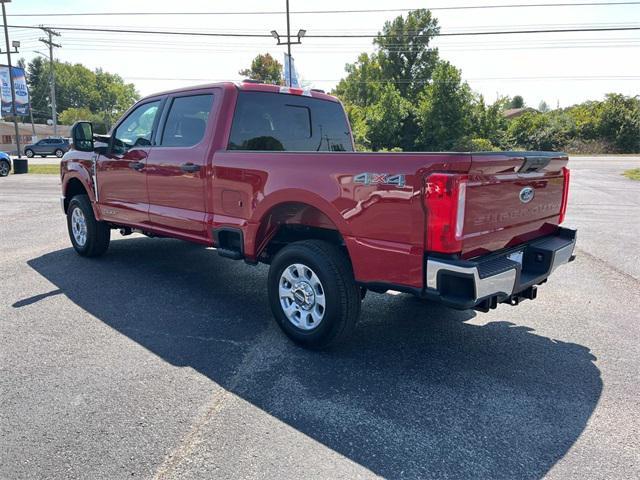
59	153
4	168
302	296
29	153
79	227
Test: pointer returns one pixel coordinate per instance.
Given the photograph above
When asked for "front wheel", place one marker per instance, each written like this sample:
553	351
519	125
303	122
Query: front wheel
4	168
59	153
29	153
313	294
89	237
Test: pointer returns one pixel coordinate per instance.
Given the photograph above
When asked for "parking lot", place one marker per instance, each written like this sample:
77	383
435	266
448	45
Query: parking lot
161	360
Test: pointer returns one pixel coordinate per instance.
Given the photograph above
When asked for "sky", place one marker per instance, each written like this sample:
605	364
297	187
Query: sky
559	68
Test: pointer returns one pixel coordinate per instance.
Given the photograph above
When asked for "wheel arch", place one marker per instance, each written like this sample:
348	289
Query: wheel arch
74	184
294	219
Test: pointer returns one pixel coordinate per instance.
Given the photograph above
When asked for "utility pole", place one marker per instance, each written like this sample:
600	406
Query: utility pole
52	75
301	33
13	87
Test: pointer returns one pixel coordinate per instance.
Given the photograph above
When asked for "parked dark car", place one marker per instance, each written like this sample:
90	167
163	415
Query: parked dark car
5	164
48	146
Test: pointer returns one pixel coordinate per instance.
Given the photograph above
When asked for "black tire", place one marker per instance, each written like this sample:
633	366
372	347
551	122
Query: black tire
59	153
98	234
29	153
5	168
342	295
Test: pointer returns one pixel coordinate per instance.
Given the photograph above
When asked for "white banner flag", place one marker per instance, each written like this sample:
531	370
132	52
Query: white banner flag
290	80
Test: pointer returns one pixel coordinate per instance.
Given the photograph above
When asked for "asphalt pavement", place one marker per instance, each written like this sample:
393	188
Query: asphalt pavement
161	360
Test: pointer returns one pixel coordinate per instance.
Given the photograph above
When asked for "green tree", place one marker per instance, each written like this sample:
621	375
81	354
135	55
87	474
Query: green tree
104	94
538	131
265	69
71	115
444	110
487	122
385	119
114	96
38	82
362	85
404	53
403	59
620	122
517	102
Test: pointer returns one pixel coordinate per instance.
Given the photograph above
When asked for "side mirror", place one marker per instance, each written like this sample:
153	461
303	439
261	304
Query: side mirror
82	136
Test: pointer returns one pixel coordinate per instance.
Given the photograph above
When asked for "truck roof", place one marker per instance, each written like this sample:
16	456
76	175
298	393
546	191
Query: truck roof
254	87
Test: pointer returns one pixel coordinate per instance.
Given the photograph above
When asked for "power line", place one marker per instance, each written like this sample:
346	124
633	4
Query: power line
502	32
401	81
303	12
365	31
257	35
153	32
88	46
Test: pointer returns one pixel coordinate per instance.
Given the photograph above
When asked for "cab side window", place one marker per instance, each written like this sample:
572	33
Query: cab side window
187	121
136	129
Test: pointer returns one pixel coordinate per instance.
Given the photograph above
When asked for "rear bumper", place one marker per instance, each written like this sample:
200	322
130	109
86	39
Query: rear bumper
500	277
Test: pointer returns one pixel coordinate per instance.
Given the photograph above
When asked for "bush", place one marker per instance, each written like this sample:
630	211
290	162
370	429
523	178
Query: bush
620	122
538	131
476	145
588	147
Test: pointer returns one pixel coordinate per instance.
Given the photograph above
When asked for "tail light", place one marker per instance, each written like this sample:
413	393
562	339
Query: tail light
445	196
566	173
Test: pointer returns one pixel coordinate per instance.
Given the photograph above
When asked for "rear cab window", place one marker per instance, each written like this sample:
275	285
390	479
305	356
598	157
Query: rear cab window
187	120
266	121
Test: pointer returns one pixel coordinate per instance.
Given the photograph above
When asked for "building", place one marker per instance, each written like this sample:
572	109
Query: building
517	112
8	134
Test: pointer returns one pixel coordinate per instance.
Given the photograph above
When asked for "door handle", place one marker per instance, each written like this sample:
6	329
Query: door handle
189	167
136	165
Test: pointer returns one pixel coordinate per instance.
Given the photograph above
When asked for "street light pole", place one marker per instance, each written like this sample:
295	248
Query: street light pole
13	88
301	33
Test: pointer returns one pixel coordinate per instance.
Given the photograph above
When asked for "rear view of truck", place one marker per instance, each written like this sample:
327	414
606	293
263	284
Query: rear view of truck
278	181
493	234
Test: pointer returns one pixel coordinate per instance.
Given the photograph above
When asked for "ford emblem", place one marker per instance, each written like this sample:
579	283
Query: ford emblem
527	194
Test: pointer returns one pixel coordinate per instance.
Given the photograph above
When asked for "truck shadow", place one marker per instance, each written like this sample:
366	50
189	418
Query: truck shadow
418	392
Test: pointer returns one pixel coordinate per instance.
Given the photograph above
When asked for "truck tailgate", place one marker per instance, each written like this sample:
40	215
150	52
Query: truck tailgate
511	197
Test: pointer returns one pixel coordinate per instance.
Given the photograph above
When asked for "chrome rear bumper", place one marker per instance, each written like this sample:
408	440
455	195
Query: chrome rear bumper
506	276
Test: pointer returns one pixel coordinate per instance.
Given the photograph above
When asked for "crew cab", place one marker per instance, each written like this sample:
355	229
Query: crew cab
269	174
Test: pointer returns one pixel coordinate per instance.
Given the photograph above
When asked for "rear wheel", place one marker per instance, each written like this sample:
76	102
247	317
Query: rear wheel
89	237
59	153
29	153
5	168
312	293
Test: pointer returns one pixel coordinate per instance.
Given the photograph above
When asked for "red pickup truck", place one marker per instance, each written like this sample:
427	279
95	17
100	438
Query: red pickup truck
269	174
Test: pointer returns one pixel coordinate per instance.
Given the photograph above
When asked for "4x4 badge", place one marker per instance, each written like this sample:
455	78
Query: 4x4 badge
368	178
